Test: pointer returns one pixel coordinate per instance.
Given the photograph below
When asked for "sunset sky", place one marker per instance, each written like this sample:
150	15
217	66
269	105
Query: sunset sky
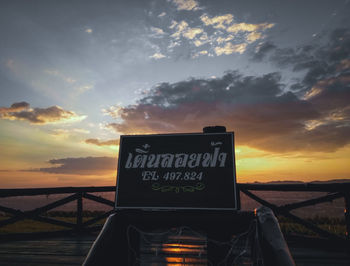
75	75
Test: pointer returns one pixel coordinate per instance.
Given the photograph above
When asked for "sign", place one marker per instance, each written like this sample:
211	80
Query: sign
177	171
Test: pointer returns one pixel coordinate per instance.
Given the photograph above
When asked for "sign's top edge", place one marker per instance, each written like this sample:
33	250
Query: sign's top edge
179	134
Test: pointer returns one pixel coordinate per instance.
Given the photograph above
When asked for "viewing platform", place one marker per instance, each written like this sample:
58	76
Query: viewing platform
72	250
70	246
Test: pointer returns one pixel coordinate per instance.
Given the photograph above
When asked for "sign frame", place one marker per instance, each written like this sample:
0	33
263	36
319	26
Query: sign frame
235	190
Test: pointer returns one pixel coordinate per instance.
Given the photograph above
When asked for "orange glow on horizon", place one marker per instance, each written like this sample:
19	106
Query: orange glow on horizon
26	148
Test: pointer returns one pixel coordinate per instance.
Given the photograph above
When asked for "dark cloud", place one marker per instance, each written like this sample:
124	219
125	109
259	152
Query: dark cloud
102	143
15	107
263	50
313	116
20	105
81	166
340	44
325	85
323	138
331	94
256	108
319	61
22	111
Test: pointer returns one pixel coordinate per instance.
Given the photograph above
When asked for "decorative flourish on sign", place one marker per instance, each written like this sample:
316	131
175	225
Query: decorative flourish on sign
146	147
215	143
177	189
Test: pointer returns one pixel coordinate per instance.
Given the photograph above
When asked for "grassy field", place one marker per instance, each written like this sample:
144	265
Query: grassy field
29	226
333	225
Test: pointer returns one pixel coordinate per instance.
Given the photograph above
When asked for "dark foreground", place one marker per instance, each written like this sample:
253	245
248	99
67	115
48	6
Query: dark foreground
72	251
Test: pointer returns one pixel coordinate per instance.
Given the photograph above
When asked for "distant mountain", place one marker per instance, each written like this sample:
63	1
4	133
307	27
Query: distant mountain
332	181
285	182
301	182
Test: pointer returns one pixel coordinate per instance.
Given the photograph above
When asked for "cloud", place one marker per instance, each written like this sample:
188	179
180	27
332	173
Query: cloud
325	75
331	93
190	33
318	61
76	88
343	65
262	49
15	107
98	142
80	166
82	89
173	24
53	114
323	138
220	39
221	35
157	56
218	22
186	5
203	52
65	133
247	31
157	32
112	111
257	108
81	130
58	74
253	36
198	43
247	27
10	63
230	48
182	29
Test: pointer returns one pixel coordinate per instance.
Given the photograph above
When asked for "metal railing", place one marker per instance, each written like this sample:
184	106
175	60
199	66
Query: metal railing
334	190
38	214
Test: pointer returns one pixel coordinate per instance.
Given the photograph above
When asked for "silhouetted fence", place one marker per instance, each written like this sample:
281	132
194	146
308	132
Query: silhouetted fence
38	214
334	190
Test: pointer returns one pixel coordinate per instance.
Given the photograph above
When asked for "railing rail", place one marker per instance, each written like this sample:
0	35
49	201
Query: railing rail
77	194
49	191
335	191
309	187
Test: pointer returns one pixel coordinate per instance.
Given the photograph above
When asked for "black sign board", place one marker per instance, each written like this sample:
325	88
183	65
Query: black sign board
177	171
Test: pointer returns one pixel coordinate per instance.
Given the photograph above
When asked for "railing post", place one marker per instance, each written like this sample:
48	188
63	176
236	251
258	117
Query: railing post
80	212
347	214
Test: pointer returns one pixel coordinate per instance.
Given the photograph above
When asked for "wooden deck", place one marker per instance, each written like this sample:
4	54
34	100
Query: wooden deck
51	252
72	251
320	252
